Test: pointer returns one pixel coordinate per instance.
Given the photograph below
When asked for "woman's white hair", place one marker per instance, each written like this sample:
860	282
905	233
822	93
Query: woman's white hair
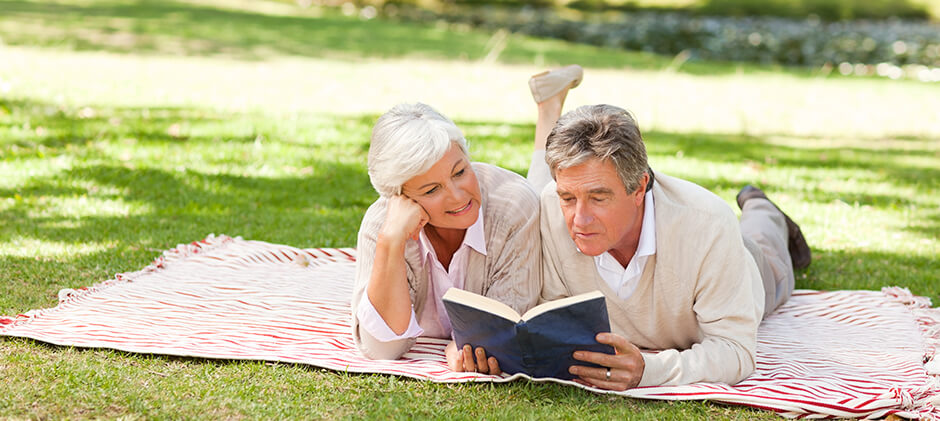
406	142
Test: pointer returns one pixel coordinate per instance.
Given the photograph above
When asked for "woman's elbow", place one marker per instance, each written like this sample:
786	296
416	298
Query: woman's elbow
374	349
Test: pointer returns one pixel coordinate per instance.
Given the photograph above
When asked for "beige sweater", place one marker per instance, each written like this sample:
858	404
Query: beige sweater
509	272
700	297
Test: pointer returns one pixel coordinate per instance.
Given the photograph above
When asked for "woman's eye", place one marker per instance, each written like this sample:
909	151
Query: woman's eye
430	191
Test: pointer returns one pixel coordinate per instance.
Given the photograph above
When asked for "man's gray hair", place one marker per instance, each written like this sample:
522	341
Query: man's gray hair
406	142
603	132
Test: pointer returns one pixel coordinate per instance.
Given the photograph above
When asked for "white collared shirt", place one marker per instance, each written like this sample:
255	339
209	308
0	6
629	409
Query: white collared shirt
434	321
623	280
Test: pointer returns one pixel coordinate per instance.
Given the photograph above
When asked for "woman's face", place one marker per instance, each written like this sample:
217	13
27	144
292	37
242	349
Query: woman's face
448	192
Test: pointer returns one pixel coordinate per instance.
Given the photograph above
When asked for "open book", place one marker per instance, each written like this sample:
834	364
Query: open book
539	343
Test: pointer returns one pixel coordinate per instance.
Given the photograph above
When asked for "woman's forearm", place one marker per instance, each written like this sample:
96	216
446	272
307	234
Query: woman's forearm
388	284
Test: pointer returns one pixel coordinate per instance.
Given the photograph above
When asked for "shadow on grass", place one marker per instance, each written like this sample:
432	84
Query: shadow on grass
35	130
64	131
321	211
123	212
891	164
850	269
65	127
195	192
189	204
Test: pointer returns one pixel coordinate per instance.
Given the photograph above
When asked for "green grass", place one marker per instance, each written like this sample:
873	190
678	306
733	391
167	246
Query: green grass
204	29
110	154
258	31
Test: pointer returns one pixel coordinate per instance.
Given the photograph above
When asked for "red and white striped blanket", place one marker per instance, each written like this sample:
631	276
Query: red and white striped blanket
842	353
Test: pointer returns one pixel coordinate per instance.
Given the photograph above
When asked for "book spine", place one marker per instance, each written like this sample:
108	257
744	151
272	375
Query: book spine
526	346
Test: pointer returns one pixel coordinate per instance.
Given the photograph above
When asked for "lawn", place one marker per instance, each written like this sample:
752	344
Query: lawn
127	127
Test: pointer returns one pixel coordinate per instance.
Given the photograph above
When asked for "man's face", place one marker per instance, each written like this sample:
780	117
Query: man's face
600	214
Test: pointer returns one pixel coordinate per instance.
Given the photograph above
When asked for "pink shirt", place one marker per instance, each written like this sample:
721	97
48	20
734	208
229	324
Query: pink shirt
434	321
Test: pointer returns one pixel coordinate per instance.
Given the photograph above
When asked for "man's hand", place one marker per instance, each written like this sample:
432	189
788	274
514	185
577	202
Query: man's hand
625	368
467	360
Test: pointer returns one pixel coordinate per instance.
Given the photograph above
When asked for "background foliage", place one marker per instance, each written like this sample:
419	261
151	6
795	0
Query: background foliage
830	10
900	47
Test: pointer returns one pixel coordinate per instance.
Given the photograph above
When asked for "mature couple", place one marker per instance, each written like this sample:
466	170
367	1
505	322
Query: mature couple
686	283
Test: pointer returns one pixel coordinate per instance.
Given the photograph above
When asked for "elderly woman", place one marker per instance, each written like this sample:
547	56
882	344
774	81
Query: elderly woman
441	221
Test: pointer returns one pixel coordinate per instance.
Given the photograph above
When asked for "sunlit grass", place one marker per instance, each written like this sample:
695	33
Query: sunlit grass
304	184
741	103
327	63
111	153
34	247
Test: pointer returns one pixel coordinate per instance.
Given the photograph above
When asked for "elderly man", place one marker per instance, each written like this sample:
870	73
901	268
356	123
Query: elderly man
686	283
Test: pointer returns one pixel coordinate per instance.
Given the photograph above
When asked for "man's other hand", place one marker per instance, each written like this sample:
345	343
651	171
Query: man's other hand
623	370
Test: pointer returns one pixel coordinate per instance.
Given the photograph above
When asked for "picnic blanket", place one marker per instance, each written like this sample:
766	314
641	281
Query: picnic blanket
822	354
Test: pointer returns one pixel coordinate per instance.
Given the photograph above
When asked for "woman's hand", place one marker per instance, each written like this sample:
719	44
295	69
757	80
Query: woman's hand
403	219
477	361
623	370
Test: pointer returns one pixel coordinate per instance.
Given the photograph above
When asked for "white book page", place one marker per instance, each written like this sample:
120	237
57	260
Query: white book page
486	304
551	305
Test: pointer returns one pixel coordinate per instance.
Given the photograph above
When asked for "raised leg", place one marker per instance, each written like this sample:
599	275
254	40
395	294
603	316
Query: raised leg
549	90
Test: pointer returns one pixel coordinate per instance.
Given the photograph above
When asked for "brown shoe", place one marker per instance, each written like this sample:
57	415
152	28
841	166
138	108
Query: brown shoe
800	255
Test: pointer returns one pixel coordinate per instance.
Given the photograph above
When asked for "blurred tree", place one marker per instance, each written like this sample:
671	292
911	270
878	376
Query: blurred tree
825	9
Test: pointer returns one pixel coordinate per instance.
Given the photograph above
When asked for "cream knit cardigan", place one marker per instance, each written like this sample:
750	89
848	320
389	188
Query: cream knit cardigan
700	298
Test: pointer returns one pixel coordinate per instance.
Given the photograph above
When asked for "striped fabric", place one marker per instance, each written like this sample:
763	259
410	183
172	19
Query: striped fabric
823	354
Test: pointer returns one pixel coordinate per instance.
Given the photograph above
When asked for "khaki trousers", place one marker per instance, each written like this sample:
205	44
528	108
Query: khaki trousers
764	231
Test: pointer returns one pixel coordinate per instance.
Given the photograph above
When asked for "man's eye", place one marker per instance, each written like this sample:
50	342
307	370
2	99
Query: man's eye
459	173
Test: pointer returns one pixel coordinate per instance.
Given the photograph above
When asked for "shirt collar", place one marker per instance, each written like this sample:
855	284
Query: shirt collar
647	244
474	238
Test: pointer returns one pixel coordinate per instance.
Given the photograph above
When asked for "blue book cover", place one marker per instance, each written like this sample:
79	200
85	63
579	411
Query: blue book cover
539	343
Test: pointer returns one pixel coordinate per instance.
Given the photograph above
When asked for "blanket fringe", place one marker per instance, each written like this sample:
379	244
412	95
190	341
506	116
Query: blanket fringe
927	318
904	296
929	321
918	399
180	252
925	401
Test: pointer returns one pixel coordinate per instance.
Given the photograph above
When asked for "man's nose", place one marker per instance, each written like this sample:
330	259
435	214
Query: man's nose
582	215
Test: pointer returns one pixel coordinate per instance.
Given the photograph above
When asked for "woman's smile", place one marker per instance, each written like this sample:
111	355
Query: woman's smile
463	210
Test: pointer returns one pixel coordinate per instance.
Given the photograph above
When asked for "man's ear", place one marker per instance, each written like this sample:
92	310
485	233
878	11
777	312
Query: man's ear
641	189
